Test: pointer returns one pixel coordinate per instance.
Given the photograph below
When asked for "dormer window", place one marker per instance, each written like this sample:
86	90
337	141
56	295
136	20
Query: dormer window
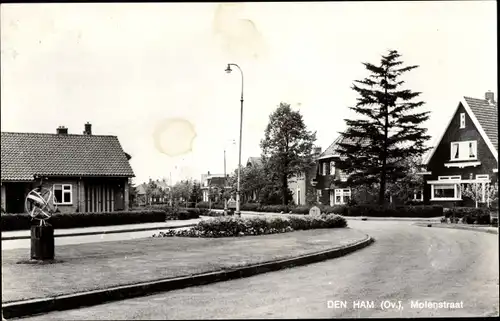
466	150
462	120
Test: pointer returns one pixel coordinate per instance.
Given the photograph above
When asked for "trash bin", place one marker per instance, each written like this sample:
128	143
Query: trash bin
42	242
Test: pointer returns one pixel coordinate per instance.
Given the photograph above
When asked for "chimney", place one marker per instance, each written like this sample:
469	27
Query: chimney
316	151
62	130
88	129
208	173
490	97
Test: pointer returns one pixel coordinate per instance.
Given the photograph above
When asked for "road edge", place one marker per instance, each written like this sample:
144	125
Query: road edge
467	228
96	297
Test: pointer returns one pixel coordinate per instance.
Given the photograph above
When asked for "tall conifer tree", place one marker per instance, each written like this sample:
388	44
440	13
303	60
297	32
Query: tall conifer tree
389	130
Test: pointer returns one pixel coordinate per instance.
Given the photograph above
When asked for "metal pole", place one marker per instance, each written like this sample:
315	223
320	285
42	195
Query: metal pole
225	184
238	212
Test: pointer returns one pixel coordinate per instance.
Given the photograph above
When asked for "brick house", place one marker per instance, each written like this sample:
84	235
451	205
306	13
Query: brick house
466	152
212	186
159	196
301	184
252	195
86	173
330	182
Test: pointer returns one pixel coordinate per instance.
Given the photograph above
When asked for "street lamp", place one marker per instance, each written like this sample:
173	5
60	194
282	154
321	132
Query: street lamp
225	177
228	70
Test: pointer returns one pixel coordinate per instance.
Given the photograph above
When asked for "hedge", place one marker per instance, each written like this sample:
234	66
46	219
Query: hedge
395	211
469	215
13	222
229	226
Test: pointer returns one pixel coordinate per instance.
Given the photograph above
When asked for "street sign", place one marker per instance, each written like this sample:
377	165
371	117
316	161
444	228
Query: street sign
231	203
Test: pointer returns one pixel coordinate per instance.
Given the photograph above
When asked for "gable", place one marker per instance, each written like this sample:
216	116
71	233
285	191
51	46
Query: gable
471	122
25	155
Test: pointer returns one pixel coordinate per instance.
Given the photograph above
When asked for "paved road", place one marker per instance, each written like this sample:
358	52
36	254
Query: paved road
26	243
406	263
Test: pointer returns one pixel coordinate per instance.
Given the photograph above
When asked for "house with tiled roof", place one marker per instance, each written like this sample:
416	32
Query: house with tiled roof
329	181
465	153
86	173
212	186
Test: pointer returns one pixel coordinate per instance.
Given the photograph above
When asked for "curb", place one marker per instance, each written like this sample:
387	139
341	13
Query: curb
73	301
467	228
139	229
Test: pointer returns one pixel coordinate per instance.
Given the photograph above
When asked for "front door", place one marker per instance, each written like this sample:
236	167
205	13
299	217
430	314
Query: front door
119	197
15	194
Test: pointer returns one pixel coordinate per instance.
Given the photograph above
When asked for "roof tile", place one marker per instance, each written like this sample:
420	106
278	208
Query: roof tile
27	154
487	115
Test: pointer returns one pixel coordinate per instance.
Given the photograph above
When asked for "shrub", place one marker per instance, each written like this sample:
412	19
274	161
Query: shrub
275	208
395	211
253	207
414	203
213	213
12	222
237	226
301	209
470	215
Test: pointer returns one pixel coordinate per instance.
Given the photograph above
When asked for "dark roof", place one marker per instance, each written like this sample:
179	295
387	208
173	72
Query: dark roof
25	155
254	161
487	115
332	149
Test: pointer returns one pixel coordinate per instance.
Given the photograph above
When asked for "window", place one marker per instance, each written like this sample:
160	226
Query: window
462	120
418	195
318	195
342	196
464	150
298	196
63	194
483	177
332	168
343	176
323	169
457	177
445	192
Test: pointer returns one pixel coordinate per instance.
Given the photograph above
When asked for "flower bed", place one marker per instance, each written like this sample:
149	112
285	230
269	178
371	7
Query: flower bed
237	226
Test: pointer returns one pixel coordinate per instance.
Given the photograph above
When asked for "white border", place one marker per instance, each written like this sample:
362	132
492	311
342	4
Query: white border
462	164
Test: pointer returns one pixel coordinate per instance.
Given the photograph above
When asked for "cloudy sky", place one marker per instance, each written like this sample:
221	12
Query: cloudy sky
153	74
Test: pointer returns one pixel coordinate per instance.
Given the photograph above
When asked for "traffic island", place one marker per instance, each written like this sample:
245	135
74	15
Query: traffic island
99	272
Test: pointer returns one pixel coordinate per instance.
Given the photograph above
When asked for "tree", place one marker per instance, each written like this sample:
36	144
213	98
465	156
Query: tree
474	191
286	147
406	186
389	130
182	191
196	193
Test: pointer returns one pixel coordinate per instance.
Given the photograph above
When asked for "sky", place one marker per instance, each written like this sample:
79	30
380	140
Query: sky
153	74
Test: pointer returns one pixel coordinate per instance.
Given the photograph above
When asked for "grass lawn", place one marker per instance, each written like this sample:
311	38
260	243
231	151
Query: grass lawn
102	265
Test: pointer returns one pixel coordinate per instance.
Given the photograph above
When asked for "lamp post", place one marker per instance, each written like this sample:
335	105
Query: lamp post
228	70
225	177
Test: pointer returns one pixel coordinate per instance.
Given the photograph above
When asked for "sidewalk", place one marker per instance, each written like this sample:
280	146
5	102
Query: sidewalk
88	267
26	234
